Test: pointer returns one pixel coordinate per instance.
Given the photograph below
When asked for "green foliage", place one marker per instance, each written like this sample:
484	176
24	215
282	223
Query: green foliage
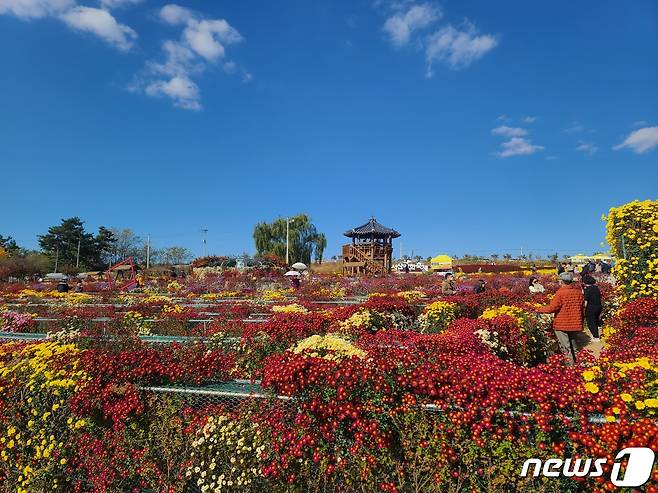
305	240
8	244
62	243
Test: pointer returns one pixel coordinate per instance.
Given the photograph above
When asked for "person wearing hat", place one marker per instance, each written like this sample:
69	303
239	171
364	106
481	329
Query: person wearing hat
567	305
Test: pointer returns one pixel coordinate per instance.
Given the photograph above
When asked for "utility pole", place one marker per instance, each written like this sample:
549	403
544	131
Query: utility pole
77	258
148	251
205	242
56	257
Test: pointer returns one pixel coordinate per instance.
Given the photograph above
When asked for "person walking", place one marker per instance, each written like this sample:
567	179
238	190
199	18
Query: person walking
593	306
567	305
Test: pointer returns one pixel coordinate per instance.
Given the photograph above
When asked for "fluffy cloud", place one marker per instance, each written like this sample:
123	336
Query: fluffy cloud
401	25
458	48
88	19
175	14
181	89
529	119
29	9
518	146
202	42
641	140
506	131
586	147
101	23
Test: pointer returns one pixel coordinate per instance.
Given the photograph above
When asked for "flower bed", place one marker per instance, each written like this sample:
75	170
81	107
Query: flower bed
406	390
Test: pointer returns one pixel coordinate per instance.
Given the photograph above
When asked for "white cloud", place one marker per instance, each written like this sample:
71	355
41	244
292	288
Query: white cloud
574	128
586	147
503	118
101	23
506	131
89	19
202	43
458	48
175	14
206	37
181	89
518	146
29	9
401	25
113	4
529	119
640	141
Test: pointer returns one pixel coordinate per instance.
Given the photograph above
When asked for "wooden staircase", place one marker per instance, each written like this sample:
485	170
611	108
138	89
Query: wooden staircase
371	267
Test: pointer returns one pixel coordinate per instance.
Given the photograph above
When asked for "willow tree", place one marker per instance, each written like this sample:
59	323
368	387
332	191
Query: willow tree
305	240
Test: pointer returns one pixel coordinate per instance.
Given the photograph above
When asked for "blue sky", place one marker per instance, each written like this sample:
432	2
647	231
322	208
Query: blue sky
471	127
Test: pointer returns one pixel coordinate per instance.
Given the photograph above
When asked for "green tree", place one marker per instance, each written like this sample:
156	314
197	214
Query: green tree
69	244
320	245
305	240
8	244
61	243
105	243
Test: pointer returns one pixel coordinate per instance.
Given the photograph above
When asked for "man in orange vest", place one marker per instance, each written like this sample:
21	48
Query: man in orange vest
567	305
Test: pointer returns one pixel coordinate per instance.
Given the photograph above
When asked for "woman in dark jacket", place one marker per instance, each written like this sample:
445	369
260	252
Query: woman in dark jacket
593	305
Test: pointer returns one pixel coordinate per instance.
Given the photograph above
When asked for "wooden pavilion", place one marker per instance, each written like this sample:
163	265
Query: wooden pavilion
371	250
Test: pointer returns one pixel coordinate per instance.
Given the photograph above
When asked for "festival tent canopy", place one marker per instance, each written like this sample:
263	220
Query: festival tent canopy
579	258
601	256
442	262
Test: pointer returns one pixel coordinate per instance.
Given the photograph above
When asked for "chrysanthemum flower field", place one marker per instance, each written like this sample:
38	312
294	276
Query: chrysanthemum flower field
233	382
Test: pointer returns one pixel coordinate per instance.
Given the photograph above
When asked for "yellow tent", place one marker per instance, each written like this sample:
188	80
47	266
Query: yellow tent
441	262
601	256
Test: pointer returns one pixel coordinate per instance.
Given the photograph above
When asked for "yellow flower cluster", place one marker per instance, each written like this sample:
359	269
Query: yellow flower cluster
437	316
291	308
334	292
174	286
134	319
155	299
169	309
329	347
632	233
362	319
643	398
35	439
225	456
69	297
412	296
273	295
515	312
221	294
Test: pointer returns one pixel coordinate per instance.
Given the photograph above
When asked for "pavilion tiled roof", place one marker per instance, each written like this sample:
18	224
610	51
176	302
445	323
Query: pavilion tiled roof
371	228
